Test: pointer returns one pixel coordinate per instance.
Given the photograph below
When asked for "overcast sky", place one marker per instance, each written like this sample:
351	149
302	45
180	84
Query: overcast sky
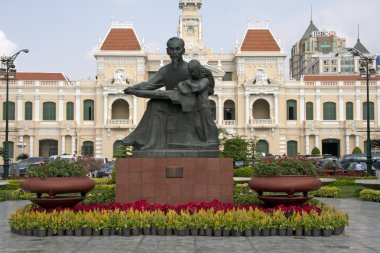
62	34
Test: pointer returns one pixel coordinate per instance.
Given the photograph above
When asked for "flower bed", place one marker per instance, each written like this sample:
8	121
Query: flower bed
212	219
370	195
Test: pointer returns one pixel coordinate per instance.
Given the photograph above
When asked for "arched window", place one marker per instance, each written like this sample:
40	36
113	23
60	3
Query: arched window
117	145
212	108
11	110
261	109
120	109
229	110
11	148
69	111
291	106
371	111
309	111
88	148
88	113
291	148
48	148
329	111
262	147
49	111
28	110
349	111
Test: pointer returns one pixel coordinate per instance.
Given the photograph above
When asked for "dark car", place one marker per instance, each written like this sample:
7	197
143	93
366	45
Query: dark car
106	170
20	168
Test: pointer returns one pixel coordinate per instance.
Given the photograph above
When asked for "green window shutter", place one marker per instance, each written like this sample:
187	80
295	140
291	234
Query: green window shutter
291	106
262	146
349	111
11	149
88	108
49	111
309	111
11	110
88	148
291	148
28	110
329	111
69	111
371	111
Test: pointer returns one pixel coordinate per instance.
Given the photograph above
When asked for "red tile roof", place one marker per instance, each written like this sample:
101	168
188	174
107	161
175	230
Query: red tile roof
40	76
312	78
259	40
121	39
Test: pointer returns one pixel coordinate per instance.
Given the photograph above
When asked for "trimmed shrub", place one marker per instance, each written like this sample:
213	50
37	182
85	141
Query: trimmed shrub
103	181
113	176
370	195
243	172
244	195
343	182
327	192
315	152
357	150
13	184
101	194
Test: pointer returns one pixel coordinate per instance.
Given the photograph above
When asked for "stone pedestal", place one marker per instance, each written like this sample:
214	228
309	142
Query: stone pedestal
174	180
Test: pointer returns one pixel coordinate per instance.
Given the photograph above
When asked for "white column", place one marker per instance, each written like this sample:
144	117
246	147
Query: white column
318	106
340	104
77	109
134	111
60	108
31	143
247	111
276	109
357	141
19	107
63	144
220	111
347	144
105	108
357	107
36	107
302	108
73	142
307	145
316	140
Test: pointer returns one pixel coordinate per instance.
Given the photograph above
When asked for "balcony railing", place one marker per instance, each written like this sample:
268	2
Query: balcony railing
119	122
261	121
229	122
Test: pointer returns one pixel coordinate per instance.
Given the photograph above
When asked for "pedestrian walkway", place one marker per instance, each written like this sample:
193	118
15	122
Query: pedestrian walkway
361	236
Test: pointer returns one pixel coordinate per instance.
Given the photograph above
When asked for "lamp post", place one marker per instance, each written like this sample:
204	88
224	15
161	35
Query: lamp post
366	70
8	71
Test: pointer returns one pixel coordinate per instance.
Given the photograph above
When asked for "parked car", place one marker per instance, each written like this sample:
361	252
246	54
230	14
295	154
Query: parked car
106	170
20	168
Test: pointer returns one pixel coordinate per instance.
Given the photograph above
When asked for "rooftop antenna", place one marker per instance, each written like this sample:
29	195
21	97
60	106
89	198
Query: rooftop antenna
358	33
311	12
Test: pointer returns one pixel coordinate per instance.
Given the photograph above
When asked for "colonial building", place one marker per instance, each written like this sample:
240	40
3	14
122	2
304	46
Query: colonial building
52	115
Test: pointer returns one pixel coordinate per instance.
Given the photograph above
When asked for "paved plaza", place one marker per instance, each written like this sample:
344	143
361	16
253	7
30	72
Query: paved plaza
362	236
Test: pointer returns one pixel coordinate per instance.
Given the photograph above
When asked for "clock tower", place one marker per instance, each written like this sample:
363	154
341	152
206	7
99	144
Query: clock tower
190	24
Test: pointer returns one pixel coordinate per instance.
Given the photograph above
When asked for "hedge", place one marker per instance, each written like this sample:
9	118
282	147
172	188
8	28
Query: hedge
370	195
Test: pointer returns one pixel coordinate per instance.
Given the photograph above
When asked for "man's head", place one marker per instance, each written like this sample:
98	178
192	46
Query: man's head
175	49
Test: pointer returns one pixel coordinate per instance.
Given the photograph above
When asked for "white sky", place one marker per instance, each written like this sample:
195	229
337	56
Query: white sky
62	34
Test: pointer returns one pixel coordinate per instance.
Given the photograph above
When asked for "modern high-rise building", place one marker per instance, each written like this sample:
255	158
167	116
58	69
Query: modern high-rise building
49	114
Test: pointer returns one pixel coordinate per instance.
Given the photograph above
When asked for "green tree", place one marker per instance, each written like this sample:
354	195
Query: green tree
236	148
123	151
315	152
22	156
357	150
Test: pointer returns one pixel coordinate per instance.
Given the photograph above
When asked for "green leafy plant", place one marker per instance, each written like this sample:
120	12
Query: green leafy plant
328	192
357	150
283	166
370	195
236	148
315	152
22	156
57	168
243	172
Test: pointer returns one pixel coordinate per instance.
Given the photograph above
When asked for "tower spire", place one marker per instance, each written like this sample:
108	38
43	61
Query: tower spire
311	12
358	33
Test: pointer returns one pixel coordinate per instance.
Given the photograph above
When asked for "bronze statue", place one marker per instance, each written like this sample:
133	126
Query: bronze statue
178	118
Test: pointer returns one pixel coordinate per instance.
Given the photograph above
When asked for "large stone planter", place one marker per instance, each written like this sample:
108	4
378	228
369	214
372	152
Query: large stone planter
57	185
289	184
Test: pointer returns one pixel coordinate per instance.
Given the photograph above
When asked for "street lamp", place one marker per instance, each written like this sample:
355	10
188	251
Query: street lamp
7	72
366	70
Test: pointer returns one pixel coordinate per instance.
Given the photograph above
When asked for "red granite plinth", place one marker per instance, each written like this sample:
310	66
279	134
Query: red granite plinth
160	180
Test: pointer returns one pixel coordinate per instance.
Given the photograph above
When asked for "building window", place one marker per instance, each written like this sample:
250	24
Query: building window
325	62
229	110
88	108
333	69
349	111
213	109
291	106
28	110
333	62
309	111
88	148
11	110
262	147
69	111
371	111
325	69
49	111
227	76
291	148
329	111
11	148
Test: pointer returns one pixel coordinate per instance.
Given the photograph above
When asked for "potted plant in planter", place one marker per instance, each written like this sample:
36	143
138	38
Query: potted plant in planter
286	175
57	177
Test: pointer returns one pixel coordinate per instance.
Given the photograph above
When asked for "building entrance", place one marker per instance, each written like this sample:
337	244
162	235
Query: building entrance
331	146
48	148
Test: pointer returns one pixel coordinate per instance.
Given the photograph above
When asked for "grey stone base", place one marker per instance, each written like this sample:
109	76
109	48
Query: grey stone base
173	153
